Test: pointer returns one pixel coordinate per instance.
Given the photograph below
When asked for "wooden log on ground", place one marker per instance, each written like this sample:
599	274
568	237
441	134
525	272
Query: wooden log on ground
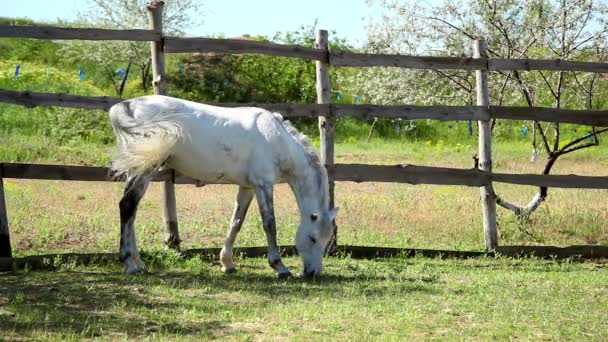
178	45
369	252
49	261
410	174
410	112
583	251
50	32
354	59
32	99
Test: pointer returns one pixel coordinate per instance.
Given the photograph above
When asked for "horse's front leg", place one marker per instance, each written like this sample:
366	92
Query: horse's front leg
129	255
243	199
264	197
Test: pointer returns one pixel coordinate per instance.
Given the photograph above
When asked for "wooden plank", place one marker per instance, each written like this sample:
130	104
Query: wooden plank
285	109
597	118
245	252
50	32
488	198
553	181
55	172
342	172
546	64
73	173
32	99
410	112
354	59
584	251
177	45
410	174
5	237
327	124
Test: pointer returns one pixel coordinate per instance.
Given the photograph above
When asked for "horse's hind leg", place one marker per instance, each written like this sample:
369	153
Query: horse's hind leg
243	199
129	255
264	197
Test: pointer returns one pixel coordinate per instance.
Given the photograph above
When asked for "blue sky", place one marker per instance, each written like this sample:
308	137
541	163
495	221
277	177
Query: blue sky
233	17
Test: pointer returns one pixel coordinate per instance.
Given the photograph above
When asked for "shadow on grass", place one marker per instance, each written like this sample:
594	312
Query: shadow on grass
89	304
93	304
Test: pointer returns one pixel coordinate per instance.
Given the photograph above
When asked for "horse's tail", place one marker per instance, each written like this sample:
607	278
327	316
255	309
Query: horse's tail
143	145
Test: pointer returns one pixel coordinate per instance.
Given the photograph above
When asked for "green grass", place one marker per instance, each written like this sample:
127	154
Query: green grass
385	299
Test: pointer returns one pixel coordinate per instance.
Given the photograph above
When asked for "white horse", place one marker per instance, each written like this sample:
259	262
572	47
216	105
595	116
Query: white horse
247	146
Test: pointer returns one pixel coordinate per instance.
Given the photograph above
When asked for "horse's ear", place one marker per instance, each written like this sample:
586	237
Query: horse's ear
332	213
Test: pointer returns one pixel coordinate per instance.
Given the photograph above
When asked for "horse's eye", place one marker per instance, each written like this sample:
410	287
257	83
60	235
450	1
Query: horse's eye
312	239
314	217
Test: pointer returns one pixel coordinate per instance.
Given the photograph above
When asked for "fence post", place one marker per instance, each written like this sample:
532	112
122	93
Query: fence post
327	124
488	198
159	82
5	240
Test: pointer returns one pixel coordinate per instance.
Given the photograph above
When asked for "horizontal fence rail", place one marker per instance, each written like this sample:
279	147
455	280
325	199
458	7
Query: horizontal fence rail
177	45
495	64
355	59
335	57
32	99
409	112
597	118
581	117
409	174
52	32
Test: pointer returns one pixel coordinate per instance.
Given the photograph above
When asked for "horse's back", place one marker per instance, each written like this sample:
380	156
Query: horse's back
225	145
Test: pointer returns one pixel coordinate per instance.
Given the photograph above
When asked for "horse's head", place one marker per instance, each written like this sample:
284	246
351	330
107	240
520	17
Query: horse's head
314	233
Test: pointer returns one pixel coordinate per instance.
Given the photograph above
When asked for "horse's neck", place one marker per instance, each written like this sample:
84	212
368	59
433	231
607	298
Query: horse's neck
310	188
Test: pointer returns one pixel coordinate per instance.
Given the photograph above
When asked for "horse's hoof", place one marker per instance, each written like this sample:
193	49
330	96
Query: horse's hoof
284	275
134	265
229	269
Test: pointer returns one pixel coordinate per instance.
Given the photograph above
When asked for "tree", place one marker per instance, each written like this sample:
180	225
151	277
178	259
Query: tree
178	16
547	29
253	78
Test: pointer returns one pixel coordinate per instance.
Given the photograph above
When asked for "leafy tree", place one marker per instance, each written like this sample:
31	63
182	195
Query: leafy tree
252	78
178	15
541	29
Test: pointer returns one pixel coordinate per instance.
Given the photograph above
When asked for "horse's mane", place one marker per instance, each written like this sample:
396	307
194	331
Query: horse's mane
301	139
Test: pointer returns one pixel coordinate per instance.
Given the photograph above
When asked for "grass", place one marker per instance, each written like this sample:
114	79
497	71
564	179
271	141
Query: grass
384	299
82	216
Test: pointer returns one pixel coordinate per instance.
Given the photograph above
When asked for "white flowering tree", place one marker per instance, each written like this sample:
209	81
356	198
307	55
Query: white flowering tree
543	29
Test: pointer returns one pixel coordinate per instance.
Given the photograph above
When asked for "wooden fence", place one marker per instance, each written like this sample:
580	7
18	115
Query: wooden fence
483	177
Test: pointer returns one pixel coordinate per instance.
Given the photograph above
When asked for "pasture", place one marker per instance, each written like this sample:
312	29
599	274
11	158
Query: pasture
382	299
